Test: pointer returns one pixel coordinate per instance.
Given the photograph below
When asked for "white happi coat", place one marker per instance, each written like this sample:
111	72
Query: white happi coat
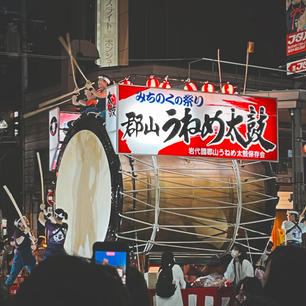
238	271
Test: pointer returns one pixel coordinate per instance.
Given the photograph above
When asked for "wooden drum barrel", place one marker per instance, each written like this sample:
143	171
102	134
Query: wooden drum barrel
190	205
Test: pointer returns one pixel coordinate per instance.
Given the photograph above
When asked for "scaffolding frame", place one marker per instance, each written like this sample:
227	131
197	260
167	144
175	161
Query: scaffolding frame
237	168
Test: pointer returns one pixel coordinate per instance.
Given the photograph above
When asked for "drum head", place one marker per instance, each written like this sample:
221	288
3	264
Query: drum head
86	188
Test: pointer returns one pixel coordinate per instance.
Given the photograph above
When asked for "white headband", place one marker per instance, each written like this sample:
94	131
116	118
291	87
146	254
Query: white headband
294	212
104	78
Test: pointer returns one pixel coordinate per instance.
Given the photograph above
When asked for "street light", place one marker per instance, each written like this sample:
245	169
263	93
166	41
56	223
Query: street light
3	124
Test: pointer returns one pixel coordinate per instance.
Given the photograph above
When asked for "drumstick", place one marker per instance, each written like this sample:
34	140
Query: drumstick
62	41
302	214
41	179
71	61
58	98
76	64
33	113
18	211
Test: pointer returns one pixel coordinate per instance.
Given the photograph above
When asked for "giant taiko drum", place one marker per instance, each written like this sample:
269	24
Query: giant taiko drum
196	206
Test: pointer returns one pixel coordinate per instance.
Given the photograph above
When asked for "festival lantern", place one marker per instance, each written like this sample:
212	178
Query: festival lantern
208	87
228	89
126	81
165	84
152	81
190	86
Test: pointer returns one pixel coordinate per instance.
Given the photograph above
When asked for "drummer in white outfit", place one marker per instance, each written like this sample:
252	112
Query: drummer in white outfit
178	278
294	228
239	267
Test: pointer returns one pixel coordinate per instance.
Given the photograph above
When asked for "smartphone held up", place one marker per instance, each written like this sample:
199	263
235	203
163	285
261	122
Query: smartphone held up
115	254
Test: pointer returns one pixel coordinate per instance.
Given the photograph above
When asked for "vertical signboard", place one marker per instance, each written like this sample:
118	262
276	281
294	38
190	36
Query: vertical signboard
111	114
296	35
107	32
59	123
53	134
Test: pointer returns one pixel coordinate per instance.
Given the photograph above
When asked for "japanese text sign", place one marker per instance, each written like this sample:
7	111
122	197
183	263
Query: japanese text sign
107	32
296	66
154	121
296	42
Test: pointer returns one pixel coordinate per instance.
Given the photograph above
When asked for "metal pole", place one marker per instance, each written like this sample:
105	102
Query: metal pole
239	204
219	69
192	62
24	86
155	227
246	71
298	169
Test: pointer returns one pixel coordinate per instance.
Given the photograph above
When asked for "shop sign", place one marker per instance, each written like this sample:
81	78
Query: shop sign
296	42
296	66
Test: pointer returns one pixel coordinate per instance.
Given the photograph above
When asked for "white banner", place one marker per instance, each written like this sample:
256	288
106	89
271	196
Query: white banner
153	121
107	32
296	66
111	115
53	134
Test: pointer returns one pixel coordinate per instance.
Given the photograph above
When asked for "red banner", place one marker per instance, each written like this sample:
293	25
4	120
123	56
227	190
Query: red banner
296	42
154	121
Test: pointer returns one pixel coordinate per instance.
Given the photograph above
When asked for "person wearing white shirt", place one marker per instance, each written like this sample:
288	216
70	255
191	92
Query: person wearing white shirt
178	280
293	228
239	267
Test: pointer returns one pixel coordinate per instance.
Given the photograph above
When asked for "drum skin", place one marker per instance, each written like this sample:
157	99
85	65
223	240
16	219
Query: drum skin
196	197
88	186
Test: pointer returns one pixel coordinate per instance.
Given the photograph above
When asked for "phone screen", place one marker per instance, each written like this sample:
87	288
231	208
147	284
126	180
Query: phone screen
116	259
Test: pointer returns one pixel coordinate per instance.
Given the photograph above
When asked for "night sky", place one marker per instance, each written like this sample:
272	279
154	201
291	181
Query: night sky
170	28
175	28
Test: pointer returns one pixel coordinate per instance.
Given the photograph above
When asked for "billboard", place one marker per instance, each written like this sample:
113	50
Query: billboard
295	15
152	121
296	66
296	42
296	33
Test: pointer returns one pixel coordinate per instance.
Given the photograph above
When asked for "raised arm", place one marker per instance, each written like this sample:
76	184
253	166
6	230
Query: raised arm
77	102
41	216
302	215
98	94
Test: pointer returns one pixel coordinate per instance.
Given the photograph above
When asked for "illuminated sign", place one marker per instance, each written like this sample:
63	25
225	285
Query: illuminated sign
153	121
296	66
296	42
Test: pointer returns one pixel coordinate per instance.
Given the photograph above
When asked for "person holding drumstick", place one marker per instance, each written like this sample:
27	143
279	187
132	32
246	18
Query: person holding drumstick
56	230
95	99
23	253
100	94
89	101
